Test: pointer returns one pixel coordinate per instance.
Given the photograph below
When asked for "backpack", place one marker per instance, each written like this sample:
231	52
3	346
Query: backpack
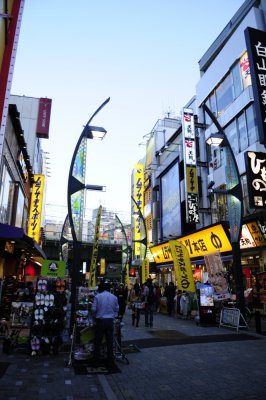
151	296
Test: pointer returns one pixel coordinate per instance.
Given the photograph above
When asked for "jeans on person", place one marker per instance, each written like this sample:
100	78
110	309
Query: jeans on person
149	314
104	327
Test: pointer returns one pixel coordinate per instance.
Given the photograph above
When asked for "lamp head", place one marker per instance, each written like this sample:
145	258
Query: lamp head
94	132
215	139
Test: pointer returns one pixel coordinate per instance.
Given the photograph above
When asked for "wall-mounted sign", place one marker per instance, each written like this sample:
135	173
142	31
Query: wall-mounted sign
198	244
256	175
36	207
256	48
53	268
43	120
139	199
190	167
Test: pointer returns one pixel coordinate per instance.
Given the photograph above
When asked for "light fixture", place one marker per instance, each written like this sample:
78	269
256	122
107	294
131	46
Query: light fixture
215	139
94	132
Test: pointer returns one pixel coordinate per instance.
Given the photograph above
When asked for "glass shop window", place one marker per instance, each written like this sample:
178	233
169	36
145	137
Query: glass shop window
242	132
224	94
20	209
6	197
251	125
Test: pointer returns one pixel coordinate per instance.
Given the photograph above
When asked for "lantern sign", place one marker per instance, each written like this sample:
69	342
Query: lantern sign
256	175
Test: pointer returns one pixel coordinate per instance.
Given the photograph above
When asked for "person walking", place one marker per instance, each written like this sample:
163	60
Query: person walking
135	302
149	298
170	296
121	294
105	308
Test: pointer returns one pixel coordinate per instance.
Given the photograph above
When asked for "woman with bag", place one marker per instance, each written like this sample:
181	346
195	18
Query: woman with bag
135	303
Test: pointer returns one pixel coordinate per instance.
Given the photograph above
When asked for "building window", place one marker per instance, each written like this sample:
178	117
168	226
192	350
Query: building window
20	209
242	132
224	94
251	125
231	134
237	81
6	197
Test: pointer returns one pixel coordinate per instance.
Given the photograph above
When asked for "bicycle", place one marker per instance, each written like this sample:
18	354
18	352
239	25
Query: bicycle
118	351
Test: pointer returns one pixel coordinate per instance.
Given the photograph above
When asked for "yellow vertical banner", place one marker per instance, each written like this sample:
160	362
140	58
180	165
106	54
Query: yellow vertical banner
138	197
182	265
92	278
127	282
145	270
34	226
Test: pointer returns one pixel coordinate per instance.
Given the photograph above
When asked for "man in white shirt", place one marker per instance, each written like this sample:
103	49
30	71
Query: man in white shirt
105	308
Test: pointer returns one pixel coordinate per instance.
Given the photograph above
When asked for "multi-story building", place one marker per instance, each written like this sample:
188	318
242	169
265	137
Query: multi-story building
23	176
185	181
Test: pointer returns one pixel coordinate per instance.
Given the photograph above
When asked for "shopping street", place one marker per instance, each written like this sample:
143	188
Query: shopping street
175	359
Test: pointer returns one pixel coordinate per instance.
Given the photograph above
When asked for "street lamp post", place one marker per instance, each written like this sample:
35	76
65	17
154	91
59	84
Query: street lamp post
75	198
234	195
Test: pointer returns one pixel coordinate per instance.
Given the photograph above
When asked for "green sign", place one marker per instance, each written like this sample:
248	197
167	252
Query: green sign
53	268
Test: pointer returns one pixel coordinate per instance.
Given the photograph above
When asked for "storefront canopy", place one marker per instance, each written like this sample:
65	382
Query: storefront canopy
20	240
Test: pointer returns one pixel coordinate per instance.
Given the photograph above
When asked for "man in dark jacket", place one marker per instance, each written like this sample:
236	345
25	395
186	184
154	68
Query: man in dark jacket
170	296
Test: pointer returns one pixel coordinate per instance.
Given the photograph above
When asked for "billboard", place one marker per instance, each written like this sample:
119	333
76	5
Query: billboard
34	227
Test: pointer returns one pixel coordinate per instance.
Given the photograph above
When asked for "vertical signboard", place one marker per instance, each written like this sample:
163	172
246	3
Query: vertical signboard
256	176
145	270
182	265
36	207
93	266
10	22
256	48
139	199
43	120
190	167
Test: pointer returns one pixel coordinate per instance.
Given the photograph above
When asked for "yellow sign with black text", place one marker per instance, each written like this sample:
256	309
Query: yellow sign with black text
198	244
182	266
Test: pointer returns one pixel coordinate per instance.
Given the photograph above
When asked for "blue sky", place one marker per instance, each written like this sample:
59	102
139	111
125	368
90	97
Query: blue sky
143	54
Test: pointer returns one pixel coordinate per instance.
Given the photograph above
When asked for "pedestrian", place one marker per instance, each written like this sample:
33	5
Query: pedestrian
184	304
121	294
149	298
105	308
158	297
135	302
169	293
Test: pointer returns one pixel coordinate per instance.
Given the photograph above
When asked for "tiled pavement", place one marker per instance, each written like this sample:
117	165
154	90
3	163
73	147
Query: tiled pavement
218	369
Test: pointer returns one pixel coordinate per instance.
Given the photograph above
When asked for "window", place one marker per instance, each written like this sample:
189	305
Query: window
20	209
242	132
224	94
251	125
6	197
231	134
237	81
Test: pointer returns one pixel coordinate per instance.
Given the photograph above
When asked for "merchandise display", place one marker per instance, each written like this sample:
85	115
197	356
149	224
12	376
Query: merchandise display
49	316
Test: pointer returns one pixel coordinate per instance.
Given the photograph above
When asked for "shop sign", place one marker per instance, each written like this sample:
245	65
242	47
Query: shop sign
145	270
190	167
182	265
198	244
256	175
102	266
43	120
36	207
53	268
139	199
256	48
